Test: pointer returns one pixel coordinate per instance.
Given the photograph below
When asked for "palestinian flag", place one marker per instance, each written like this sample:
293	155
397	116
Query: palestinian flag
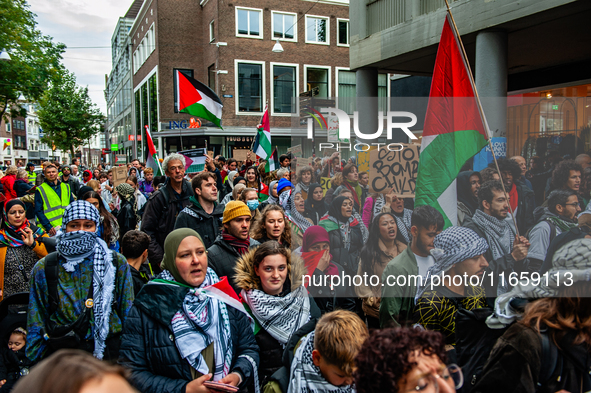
152	159
196	99
454	129
264	192
262	141
273	162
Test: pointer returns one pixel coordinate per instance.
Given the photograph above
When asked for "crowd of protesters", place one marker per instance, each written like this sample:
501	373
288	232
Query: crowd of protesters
235	279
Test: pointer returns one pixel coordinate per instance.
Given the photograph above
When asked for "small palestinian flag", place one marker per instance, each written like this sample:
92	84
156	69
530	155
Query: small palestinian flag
197	99
273	162
152	159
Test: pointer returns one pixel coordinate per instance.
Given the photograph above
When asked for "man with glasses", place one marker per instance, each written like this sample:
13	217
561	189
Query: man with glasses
558	217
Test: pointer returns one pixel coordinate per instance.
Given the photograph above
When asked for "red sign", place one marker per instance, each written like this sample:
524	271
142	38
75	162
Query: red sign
131	137
138	138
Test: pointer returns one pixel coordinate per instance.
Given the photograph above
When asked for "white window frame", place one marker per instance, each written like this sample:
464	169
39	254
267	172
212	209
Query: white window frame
237	93
348	32
212	31
260	11
327	29
336	84
297	72
295	26
329	68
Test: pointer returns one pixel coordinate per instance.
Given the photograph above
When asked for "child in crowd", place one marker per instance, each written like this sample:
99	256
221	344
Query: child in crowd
134	247
14	362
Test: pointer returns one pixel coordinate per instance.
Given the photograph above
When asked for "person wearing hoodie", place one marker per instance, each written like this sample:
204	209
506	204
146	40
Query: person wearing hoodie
467	185
270	280
315	206
551	221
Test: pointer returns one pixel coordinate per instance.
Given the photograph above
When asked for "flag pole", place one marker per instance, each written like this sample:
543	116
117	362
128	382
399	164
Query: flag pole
481	110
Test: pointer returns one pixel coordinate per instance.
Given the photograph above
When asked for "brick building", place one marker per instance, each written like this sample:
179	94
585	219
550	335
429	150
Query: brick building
228	46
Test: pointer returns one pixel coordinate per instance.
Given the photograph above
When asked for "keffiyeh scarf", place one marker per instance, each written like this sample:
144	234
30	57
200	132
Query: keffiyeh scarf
403	223
345	228
570	264
305	376
284	200
295	216
378	205
281	317
77	246
201	322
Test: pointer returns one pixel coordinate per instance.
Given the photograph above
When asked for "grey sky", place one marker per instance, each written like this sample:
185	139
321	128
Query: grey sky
83	23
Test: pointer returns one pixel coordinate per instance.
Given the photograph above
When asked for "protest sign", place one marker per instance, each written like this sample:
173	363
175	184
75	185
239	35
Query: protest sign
194	159
119	175
302	162
210	153
325	183
240	154
394	171
296	150
363	159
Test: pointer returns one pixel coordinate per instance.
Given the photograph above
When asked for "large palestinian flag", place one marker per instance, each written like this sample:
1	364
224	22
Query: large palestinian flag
197	99
454	129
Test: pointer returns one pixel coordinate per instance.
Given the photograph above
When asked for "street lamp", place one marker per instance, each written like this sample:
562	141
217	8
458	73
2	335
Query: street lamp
4	55
277	48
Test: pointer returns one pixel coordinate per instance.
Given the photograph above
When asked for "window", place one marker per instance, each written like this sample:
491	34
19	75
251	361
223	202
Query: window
211	31
317	28
318	77
249	22
347	91
7	127
383	92
145	48
250	86
188	73
284	26
211	77
343	32
284	88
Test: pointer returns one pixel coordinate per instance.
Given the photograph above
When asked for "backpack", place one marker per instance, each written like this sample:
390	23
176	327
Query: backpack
475	341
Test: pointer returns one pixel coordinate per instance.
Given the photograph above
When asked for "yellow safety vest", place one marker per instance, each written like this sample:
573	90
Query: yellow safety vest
32	177
53	207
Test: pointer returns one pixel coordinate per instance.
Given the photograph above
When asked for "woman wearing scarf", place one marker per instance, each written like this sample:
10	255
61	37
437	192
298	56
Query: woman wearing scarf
315	251
315	207
230	181
384	244
284	188
126	214
85	266
351	177
467	186
270	279
296	220
347	235
303	180
177	337
20	249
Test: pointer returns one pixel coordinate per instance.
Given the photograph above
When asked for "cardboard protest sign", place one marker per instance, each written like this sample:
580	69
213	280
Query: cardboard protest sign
363	159
394	171
325	183
302	162
210	153
194	159
119	175
240	154
296	150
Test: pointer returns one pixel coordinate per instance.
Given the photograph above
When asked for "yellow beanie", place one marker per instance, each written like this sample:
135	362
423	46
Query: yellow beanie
235	209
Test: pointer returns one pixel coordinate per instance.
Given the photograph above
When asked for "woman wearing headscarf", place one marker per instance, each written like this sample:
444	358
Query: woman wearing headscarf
347	235
177	337
384	244
270	279
315	207
88	276
126	214
20	249
230	181
295	218
467	186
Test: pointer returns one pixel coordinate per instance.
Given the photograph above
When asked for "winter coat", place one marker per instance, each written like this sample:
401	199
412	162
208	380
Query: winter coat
340	297
73	182
149	351
160	214
22	187
207	225
12	366
348	259
222	259
8	186
126	217
515	362
525	208
271	350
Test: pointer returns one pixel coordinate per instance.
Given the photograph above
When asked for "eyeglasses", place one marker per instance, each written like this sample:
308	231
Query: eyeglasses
572	204
451	375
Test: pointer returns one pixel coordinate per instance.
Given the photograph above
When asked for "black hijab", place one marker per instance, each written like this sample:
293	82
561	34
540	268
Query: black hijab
465	190
313	205
335	209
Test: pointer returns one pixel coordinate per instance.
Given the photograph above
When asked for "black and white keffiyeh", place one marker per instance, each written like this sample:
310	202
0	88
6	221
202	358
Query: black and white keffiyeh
571	263
403	224
77	246
295	216
453	245
281	317
201	322
305	376
378	205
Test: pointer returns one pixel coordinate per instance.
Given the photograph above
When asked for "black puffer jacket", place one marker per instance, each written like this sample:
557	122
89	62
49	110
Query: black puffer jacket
222	259
160	213
340	297
149	351
348	259
207	225
126	217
